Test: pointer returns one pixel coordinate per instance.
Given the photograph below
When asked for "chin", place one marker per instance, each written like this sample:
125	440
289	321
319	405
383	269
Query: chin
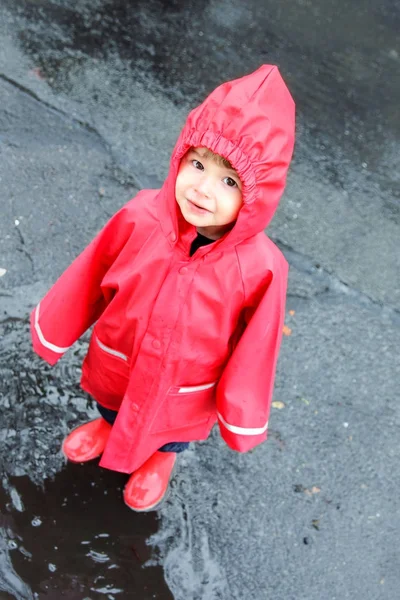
192	221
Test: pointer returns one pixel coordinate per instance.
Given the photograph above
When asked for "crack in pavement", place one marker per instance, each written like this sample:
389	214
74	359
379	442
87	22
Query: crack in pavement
33	95
127	178
12	320
23	250
308	265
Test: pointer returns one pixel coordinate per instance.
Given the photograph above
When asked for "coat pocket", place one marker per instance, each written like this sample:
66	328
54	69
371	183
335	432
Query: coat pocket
185	407
107	370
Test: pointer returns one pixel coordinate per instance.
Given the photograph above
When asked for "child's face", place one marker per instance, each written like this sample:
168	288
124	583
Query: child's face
209	195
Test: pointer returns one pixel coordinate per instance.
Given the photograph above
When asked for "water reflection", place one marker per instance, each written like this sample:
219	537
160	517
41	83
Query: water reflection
75	536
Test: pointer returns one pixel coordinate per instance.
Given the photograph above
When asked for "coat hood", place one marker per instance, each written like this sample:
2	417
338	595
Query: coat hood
251	122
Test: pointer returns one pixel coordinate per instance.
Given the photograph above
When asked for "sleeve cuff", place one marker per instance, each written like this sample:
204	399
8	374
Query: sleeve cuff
49	355
240	442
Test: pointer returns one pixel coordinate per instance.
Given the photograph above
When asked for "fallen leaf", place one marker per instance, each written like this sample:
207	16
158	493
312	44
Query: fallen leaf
315	524
292	313
287	330
305	401
314	490
278	404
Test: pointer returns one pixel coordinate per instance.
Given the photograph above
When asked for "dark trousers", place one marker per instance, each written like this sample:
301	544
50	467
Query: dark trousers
110	416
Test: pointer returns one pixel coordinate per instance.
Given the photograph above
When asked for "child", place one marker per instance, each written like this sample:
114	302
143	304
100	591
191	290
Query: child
187	295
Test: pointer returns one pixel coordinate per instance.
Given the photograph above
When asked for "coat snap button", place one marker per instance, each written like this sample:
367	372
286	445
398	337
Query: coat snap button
156	344
183	270
173	237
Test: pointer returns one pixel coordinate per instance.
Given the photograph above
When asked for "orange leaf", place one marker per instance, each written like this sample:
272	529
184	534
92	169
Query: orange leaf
314	490
292	313
287	330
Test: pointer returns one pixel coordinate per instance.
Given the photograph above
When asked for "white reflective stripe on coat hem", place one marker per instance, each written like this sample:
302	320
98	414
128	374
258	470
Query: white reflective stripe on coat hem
41	337
110	350
243	430
196	388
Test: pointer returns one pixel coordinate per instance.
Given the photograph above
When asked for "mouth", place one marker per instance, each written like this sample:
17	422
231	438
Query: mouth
197	207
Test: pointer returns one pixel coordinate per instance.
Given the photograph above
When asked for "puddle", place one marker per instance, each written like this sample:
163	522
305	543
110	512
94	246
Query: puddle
73	537
64	529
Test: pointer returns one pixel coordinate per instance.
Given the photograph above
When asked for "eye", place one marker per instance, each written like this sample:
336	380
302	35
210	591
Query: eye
197	165
231	182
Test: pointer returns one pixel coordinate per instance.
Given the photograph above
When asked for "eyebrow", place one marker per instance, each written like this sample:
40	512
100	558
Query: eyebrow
231	169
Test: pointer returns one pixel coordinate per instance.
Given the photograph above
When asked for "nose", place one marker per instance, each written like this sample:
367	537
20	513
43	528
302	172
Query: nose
204	186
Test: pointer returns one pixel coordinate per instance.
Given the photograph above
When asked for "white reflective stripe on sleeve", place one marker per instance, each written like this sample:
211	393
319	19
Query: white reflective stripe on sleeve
41	337
196	388
243	430
110	350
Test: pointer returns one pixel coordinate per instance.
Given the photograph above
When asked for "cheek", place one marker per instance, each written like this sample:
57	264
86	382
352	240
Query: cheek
234	213
181	179
179	183
233	207
238	202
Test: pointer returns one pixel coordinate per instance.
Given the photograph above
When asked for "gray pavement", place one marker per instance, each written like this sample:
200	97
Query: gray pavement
92	98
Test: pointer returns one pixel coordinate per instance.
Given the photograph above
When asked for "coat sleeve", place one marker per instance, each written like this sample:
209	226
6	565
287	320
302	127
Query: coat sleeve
244	392
76	300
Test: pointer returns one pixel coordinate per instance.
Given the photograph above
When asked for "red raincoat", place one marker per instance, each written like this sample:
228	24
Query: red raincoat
181	342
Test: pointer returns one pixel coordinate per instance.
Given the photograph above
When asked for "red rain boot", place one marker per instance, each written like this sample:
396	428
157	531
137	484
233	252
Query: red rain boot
147	486
87	441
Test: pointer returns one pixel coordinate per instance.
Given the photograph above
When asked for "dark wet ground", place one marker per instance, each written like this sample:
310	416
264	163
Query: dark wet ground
66	529
351	48
93	94
66	539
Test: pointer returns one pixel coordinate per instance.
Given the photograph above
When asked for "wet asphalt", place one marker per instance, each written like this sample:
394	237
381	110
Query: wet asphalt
93	95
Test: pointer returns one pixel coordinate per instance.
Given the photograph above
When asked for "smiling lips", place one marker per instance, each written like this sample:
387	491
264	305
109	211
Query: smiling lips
197	208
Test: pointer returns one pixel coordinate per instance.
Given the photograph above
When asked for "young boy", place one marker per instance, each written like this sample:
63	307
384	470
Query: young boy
187	295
